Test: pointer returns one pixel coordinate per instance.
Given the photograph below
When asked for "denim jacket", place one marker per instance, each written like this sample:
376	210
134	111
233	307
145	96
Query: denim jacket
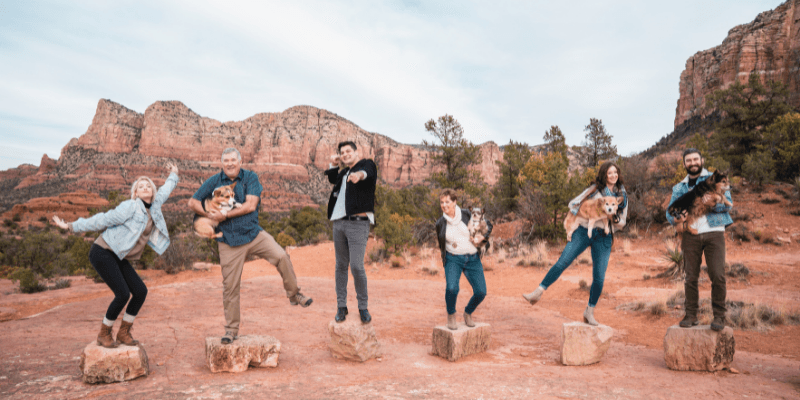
124	224
719	214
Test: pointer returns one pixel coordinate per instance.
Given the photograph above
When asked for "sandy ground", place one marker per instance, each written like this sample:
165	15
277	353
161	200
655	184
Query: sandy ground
44	334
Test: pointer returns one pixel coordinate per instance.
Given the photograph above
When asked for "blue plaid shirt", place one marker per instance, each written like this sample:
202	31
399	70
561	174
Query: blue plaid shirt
244	228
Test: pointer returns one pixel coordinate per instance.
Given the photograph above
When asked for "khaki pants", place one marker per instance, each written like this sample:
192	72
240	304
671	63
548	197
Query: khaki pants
232	261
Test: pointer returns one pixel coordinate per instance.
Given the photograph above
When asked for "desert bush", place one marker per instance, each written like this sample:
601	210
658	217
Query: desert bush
796	213
306	225
582	285
28	283
658	308
674	257
786	195
766	237
770	200
377	255
16	218
395	231
285	240
676	299
61	284
737	270
739	231
759	168
645	276
737	215
182	252
43	219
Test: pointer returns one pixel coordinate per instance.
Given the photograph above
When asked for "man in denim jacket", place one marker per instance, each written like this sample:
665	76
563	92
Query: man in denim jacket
710	239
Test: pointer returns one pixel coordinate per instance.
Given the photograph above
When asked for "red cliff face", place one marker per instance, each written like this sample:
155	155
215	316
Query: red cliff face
770	44
289	150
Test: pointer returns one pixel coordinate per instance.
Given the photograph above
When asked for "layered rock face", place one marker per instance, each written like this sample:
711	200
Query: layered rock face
770	44
288	150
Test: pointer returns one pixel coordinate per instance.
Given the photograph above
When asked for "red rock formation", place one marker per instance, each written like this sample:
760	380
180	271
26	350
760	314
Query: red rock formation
289	150
770	45
70	206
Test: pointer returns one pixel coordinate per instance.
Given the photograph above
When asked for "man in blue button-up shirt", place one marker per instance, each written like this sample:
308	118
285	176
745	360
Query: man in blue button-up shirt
242	237
710	239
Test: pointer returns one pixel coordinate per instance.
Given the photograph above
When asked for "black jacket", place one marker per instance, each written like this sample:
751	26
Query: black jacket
360	197
441	231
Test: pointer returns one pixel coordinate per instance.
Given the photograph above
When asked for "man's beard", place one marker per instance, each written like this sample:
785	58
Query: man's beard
695	169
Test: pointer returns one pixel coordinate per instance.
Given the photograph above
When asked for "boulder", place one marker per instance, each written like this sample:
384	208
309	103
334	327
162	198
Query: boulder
584	344
698	348
352	340
101	365
454	344
246	351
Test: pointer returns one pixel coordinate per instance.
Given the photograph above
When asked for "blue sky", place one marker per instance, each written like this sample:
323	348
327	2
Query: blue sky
504	69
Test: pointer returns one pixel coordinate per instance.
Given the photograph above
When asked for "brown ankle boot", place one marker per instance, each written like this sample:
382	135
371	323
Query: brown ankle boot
104	338
124	334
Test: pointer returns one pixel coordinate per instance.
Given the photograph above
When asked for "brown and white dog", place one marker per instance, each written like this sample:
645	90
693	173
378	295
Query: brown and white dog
692	202
222	199
477	225
601	208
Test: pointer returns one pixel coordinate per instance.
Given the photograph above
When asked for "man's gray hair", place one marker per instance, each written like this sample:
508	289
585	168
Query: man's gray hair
230	150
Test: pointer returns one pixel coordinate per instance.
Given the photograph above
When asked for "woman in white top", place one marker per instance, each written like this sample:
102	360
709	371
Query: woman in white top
460	254
607	183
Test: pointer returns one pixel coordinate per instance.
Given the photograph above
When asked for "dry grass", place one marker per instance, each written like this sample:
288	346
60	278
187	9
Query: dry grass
633	231
655	308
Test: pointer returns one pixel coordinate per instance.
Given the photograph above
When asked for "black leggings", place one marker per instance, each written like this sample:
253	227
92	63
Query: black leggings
123	280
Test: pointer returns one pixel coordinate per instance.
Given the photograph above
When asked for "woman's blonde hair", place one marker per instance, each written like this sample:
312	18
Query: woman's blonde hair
133	187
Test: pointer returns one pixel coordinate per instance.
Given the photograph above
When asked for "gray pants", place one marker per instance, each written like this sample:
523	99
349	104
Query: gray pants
350	242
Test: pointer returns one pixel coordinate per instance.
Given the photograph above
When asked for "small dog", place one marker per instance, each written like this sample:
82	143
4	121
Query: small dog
602	208
477	225
692	201
222	199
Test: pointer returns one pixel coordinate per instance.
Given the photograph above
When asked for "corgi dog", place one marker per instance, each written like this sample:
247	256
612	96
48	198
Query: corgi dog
692	201
599	209
221	199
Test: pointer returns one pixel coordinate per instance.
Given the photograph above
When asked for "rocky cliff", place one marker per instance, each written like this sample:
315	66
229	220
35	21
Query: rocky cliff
289	150
770	44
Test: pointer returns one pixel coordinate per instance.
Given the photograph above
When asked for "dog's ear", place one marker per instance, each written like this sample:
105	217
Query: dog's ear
620	200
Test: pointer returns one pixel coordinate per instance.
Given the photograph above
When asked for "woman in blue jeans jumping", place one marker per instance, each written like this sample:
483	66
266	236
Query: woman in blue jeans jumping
460	253
607	183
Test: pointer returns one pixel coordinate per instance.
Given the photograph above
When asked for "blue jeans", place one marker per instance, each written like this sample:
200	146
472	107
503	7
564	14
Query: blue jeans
471	265
601	251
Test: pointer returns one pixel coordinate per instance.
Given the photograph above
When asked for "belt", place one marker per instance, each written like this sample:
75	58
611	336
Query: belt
355	218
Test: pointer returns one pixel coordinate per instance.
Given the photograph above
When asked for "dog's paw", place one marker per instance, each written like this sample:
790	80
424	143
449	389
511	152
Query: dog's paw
606	230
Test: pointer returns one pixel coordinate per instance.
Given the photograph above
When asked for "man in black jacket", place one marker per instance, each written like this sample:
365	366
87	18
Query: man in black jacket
351	208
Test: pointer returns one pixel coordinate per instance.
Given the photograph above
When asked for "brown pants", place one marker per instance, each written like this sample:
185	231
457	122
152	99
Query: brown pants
713	245
232	260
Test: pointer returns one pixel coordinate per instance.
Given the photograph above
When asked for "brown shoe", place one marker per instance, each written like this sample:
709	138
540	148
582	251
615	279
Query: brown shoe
468	320
124	334
451	322
104	338
301	300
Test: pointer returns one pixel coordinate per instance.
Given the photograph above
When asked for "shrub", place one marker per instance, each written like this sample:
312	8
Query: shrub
16	218
285	240
796	213
582	285
377	255
658	308
783	194
395	232
182	252
759	168
677	299
645	276
770	200
674	257
739	231
28	283
42	219
61	284
737	270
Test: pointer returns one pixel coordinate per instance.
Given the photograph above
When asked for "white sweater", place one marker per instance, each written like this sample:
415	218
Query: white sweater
457	236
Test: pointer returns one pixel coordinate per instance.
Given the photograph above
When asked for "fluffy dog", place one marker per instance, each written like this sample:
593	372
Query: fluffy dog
601	208
477	226
222	199
692	201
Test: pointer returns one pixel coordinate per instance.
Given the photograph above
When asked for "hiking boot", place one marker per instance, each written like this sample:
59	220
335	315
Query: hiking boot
718	324
468	320
341	314
229	337
300	299
588	316
104	337
451	322
534	296
124	334
365	317
688	321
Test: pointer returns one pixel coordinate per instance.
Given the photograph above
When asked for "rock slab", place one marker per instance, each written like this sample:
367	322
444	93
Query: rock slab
246	351
352	340
454	344
584	344
101	365
698	348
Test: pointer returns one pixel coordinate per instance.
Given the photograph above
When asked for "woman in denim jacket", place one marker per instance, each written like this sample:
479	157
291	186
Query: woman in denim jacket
607	183
129	227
